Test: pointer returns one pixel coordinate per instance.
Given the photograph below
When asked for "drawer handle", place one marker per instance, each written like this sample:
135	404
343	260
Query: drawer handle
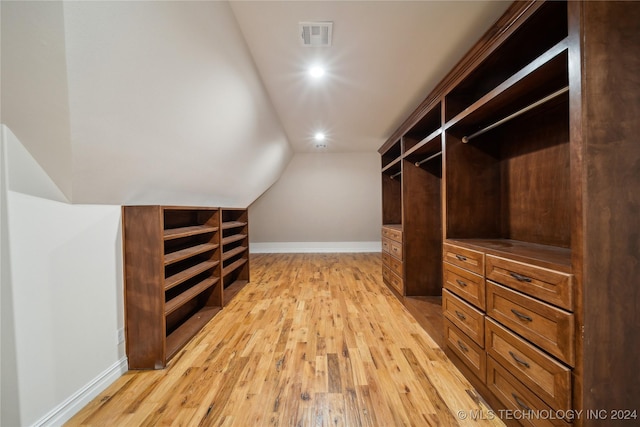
520	402
461	258
461	283
521	316
520	361
463	347
519	277
460	315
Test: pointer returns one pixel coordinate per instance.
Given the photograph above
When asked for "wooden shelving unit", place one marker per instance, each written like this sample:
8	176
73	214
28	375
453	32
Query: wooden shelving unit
235	251
178	263
508	160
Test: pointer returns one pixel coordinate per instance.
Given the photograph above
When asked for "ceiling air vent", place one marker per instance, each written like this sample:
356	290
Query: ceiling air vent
315	33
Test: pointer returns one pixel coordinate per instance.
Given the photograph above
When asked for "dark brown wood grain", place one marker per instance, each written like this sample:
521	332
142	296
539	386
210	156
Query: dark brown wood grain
611	257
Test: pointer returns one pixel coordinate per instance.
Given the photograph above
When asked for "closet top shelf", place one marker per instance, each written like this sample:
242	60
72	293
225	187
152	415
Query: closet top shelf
546	74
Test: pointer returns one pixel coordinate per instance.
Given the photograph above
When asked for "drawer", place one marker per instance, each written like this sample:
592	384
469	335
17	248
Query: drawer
550	286
469	352
391	279
518	398
386	258
395	265
463	257
548	379
546	326
465	317
465	284
386	245
392	233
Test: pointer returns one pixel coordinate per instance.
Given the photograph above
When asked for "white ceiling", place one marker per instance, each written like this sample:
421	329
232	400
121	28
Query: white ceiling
385	58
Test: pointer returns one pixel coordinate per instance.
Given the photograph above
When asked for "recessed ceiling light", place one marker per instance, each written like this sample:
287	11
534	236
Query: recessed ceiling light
316	72
319	136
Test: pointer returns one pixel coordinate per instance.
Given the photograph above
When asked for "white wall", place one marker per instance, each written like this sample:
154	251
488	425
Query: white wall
34	100
167	106
62	295
324	202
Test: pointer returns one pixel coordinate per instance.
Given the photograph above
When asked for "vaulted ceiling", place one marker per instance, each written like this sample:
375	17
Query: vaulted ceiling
384	59
204	103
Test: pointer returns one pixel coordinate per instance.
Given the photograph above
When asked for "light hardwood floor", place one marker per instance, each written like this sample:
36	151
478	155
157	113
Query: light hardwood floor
313	340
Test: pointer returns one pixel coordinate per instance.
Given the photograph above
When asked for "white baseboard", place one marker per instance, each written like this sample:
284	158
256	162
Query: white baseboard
314	247
72	405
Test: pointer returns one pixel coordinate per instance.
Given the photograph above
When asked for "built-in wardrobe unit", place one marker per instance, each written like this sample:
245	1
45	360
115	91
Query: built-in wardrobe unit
182	266
514	191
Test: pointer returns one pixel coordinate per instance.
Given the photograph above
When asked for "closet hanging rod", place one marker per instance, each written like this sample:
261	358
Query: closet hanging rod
428	158
396	174
466	139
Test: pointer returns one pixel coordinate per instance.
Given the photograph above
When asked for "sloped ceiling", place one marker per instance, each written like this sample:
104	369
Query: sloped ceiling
385	58
203	103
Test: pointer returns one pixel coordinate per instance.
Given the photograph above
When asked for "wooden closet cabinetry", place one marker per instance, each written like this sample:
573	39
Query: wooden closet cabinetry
532	154
178	261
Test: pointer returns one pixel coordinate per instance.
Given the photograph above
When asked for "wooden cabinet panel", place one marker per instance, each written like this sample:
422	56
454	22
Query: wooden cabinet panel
462	257
548	285
546	326
465	284
468	319
469	352
548	379
392	279
517	397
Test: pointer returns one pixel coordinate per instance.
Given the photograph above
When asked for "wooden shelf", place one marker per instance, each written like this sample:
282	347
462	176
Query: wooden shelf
177	302
176	233
187	274
232	290
232	267
178	338
232	238
233	224
172	257
233	252
426	143
541	77
391	165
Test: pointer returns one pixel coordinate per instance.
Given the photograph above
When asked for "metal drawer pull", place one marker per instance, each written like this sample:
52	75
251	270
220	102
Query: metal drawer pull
460	282
521	316
460	315
519	277
520	361
461	258
520	402
462	346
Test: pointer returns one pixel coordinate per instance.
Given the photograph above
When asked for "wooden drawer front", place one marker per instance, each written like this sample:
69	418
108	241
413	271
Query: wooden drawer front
465	317
386	258
518	398
392	233
392	279
547	327
386	245
396	249
548	285
469	352
465	284
463	257
395	265
548	379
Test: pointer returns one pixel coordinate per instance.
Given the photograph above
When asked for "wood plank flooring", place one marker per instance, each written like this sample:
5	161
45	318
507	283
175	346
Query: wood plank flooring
313	340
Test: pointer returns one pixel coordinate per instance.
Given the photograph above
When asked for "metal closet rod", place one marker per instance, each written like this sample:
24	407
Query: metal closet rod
396	174
428	158
466	139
